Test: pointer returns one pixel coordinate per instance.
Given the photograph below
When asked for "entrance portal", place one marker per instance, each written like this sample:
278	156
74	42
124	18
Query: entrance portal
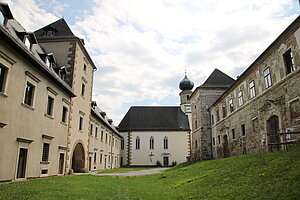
273	130
166	161
78	158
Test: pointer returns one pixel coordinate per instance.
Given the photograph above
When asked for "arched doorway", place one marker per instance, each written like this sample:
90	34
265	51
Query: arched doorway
273	130
225	147
78	158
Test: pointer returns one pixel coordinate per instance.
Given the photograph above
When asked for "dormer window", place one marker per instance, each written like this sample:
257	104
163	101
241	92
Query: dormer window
47	62
27	42
2	18
49	32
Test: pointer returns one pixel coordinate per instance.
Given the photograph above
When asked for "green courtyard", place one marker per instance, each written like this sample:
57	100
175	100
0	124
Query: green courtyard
256	176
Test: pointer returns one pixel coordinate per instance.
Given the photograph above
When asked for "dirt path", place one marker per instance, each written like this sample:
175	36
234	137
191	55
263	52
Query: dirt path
135	173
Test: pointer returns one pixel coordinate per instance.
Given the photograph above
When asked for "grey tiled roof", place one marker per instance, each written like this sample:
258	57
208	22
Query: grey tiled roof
154	118
218	79
61	29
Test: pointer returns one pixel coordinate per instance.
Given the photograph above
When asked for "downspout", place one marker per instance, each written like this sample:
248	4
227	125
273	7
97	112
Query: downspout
111	147
210	130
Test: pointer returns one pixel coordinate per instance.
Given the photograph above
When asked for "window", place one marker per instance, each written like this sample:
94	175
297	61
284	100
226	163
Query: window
95	157
106	138
224	111
45	155
214	141
233	133
82	89
91	130
218	115
84	67
64	114
137	142
3	72
196	144
108	159
122	143
231	107
243	129
29	94
151	145
2	18
96	132
212	120
267	78
100	158
196	124
80	123
49	32
101	135
219	139
44	171
166	145
289	61
109	140
27	42
255	125
252	89
50	106
240	97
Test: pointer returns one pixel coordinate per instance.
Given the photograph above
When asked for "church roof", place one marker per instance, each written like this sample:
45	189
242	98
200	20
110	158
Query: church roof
218	79
60	28
154	118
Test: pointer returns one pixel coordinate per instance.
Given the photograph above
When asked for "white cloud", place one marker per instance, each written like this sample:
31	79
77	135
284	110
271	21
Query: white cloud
142	47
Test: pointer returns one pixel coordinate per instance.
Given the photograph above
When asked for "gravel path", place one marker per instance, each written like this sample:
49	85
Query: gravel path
135	173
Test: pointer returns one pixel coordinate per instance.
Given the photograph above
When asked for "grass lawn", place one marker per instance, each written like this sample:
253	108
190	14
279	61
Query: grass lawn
262	176
124	169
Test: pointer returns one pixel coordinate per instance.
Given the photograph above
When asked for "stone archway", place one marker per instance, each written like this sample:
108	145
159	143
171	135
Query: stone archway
272	131
78	158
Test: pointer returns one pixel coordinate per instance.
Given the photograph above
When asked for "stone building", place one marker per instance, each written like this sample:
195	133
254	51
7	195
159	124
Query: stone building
262	103
46	82
154	134
201	99
104	142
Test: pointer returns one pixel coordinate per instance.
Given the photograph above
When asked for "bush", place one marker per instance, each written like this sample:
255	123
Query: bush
158	163
174	163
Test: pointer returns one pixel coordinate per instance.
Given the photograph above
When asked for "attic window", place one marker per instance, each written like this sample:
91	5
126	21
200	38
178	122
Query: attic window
27	42
2	18
49	32
47	62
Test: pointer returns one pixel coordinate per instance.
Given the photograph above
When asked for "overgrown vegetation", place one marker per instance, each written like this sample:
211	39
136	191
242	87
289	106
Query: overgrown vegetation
260	176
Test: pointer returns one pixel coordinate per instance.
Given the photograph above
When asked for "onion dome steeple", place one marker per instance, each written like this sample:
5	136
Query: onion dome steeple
186	84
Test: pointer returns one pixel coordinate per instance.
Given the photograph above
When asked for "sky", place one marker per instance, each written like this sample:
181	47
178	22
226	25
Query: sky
143	47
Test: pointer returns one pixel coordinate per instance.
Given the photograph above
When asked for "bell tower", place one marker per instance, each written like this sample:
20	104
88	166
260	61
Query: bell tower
186	86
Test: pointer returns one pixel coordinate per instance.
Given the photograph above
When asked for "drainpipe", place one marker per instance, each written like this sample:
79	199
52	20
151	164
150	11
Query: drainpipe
210	130
111	147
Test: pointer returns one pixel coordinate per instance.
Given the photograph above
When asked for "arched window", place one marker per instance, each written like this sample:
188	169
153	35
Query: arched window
151	142
166	144
137	142
2	18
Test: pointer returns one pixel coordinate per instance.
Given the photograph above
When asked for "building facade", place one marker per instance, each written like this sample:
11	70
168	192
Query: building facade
258	111
46	82
154	136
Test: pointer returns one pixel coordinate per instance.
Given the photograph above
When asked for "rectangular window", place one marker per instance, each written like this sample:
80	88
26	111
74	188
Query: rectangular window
240	97
233	133
195	124
231	107
44	171
289	61
212	120
243	129
84	67
109	141
267	78
218	115
252	89
95	157
82	89
101	135
80	123
45	155
219	139
106	138
29	94
122	144
91	131
64	114
214	141
3	72
100	158
50	106
96	132
224	111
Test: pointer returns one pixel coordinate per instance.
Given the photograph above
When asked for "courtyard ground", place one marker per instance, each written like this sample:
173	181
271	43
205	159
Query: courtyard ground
255	176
